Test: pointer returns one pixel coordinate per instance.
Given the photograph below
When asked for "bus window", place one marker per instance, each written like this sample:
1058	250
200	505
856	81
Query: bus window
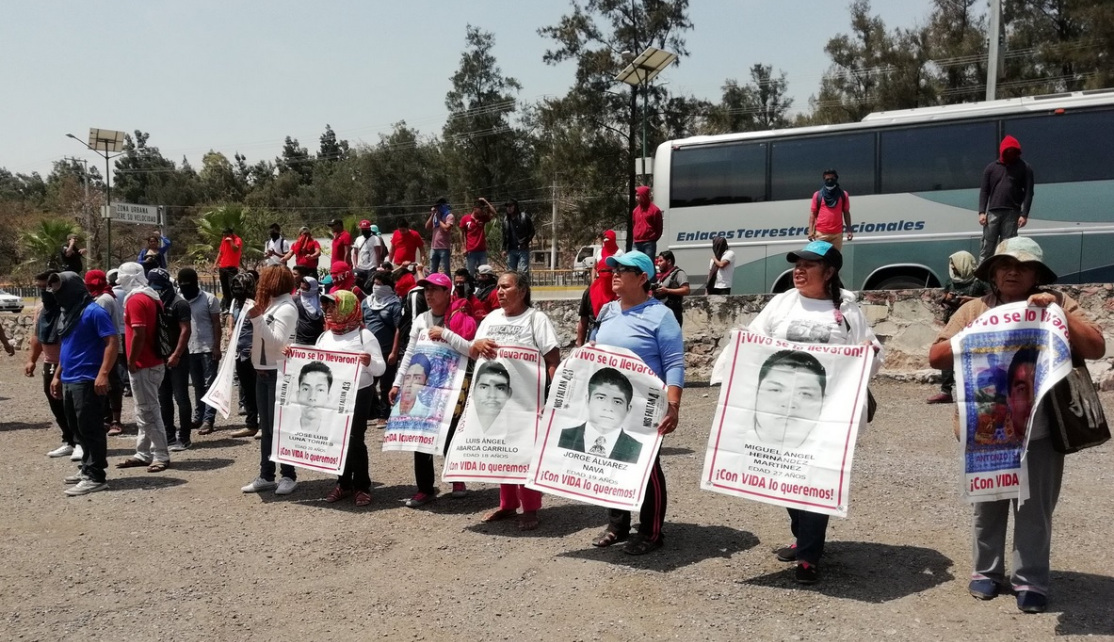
797	166
936	158
1045	139
718	175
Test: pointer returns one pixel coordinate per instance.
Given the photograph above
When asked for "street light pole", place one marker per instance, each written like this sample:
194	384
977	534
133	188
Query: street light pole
108	141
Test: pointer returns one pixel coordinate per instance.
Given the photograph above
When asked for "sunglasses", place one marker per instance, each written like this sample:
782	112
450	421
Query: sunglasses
628	270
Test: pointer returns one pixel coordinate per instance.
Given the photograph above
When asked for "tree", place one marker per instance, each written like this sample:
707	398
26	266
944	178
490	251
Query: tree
295	160
956	45
219	180
210	230
759	105
331	149
1057	45
43	243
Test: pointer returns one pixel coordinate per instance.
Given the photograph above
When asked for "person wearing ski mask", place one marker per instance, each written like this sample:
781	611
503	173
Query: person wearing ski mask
175	387
46	342
243	288
145	369
89	346
203	345
831	212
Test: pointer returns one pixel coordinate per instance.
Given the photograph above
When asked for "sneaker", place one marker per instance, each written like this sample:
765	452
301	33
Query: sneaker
241	411
787	553
84	487
206	428
286	486
77	454
178	446
65	450
244	432
75	478
943	397
1031	602
172	445
421	499
459	490
984	589
258	485
807	573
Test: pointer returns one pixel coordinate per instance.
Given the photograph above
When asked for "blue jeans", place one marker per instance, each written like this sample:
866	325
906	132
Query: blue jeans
85	415
649	248
518	261
439	262
473	260
175	391
203	370
266	383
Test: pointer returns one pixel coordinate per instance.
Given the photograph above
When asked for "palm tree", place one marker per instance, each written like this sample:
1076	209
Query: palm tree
211	226
43	243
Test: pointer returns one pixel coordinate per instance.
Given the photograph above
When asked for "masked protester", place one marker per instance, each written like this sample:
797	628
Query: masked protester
243	288
204	345
46	342
367	252
831	212
463	290
382	313
175	387
311	319
276	246
96	281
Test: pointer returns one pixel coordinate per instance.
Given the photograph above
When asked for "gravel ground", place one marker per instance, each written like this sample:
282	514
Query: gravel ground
184	555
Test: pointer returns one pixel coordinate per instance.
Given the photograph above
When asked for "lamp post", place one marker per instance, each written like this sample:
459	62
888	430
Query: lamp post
638	74
106	143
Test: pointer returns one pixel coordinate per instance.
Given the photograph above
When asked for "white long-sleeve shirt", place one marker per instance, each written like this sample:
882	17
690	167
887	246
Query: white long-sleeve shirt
272	331
359	341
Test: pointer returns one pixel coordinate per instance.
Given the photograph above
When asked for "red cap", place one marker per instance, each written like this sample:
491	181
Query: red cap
365	224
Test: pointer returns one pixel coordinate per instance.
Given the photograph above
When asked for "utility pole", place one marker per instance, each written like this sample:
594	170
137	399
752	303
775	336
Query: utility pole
994	42
553	235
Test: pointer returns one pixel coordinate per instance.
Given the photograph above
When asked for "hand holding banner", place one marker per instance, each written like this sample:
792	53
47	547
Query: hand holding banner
219	395
431	385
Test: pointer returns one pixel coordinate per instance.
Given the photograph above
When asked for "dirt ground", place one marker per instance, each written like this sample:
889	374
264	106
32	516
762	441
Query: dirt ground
184	555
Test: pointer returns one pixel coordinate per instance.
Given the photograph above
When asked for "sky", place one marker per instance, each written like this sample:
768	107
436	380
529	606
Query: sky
240	76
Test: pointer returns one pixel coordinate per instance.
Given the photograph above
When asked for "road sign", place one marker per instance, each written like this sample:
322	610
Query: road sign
131	213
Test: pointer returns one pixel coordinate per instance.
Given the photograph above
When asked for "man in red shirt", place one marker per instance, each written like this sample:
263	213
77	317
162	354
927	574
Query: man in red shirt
228	264
145	368
647	222
474	228
831	212
342	241
306	251
405	245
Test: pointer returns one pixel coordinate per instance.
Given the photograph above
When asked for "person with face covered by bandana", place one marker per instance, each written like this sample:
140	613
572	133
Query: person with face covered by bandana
46	342
204	345
146	369
831	212
276	246
243	288
122	363
311	319
382	313
81	380
175	387
97	283
344	279
367	252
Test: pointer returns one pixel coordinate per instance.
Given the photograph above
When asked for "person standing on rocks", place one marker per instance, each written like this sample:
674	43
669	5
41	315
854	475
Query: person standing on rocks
1005	196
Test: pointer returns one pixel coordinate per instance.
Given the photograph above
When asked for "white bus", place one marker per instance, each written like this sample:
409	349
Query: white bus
913	178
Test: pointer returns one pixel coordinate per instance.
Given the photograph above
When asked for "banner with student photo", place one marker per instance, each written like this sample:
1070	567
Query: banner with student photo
314	404
494	441
786	422
1005	362
600	429
219	395
430	389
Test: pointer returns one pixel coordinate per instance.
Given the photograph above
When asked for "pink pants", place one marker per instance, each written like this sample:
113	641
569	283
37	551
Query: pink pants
512	495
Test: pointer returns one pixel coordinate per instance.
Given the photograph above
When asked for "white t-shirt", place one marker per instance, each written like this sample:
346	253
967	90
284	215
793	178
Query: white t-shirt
531	329
360	340
367	258
280	247
803	320
725	274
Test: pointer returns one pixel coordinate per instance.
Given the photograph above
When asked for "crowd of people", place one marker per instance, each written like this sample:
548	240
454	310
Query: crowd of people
136	331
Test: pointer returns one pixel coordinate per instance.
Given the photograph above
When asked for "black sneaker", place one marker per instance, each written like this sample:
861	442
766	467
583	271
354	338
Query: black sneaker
787	553
983	589
1032	602
807	573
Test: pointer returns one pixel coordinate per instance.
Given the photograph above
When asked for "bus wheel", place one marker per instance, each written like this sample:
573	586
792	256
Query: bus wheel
901	283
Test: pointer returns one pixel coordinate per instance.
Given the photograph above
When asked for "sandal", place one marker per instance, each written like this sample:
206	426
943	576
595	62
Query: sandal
528	520
609	537
363	498
132	462
336	494
158	466
642	545
115	428
498	515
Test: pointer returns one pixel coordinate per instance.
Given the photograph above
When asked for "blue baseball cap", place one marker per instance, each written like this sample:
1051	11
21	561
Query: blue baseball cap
818	251
633	259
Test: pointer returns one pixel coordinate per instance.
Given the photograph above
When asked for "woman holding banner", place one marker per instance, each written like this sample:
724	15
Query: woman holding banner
1016	272
816	310
517	323
642	324
345	332
457	330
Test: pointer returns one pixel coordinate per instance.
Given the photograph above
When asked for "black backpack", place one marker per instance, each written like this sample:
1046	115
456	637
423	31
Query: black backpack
166	332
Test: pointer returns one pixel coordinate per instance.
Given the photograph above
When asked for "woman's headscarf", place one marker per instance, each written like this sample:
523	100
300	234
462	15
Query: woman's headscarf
132	279
47	327
719	246
961	267
344	316
610	247
73	299
343	277
97	283
311	298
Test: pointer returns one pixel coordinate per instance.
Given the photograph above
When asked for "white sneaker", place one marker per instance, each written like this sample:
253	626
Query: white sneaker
286	486
77	453
65	450
178	447
258	485
75	478
84	487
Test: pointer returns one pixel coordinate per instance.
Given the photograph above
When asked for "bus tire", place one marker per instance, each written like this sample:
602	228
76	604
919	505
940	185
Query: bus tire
901	282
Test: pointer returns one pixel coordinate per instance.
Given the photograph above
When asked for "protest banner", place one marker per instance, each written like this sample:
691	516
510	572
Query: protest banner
219	395
314	404
494	441
431	385
786	422
600	426
1006	360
